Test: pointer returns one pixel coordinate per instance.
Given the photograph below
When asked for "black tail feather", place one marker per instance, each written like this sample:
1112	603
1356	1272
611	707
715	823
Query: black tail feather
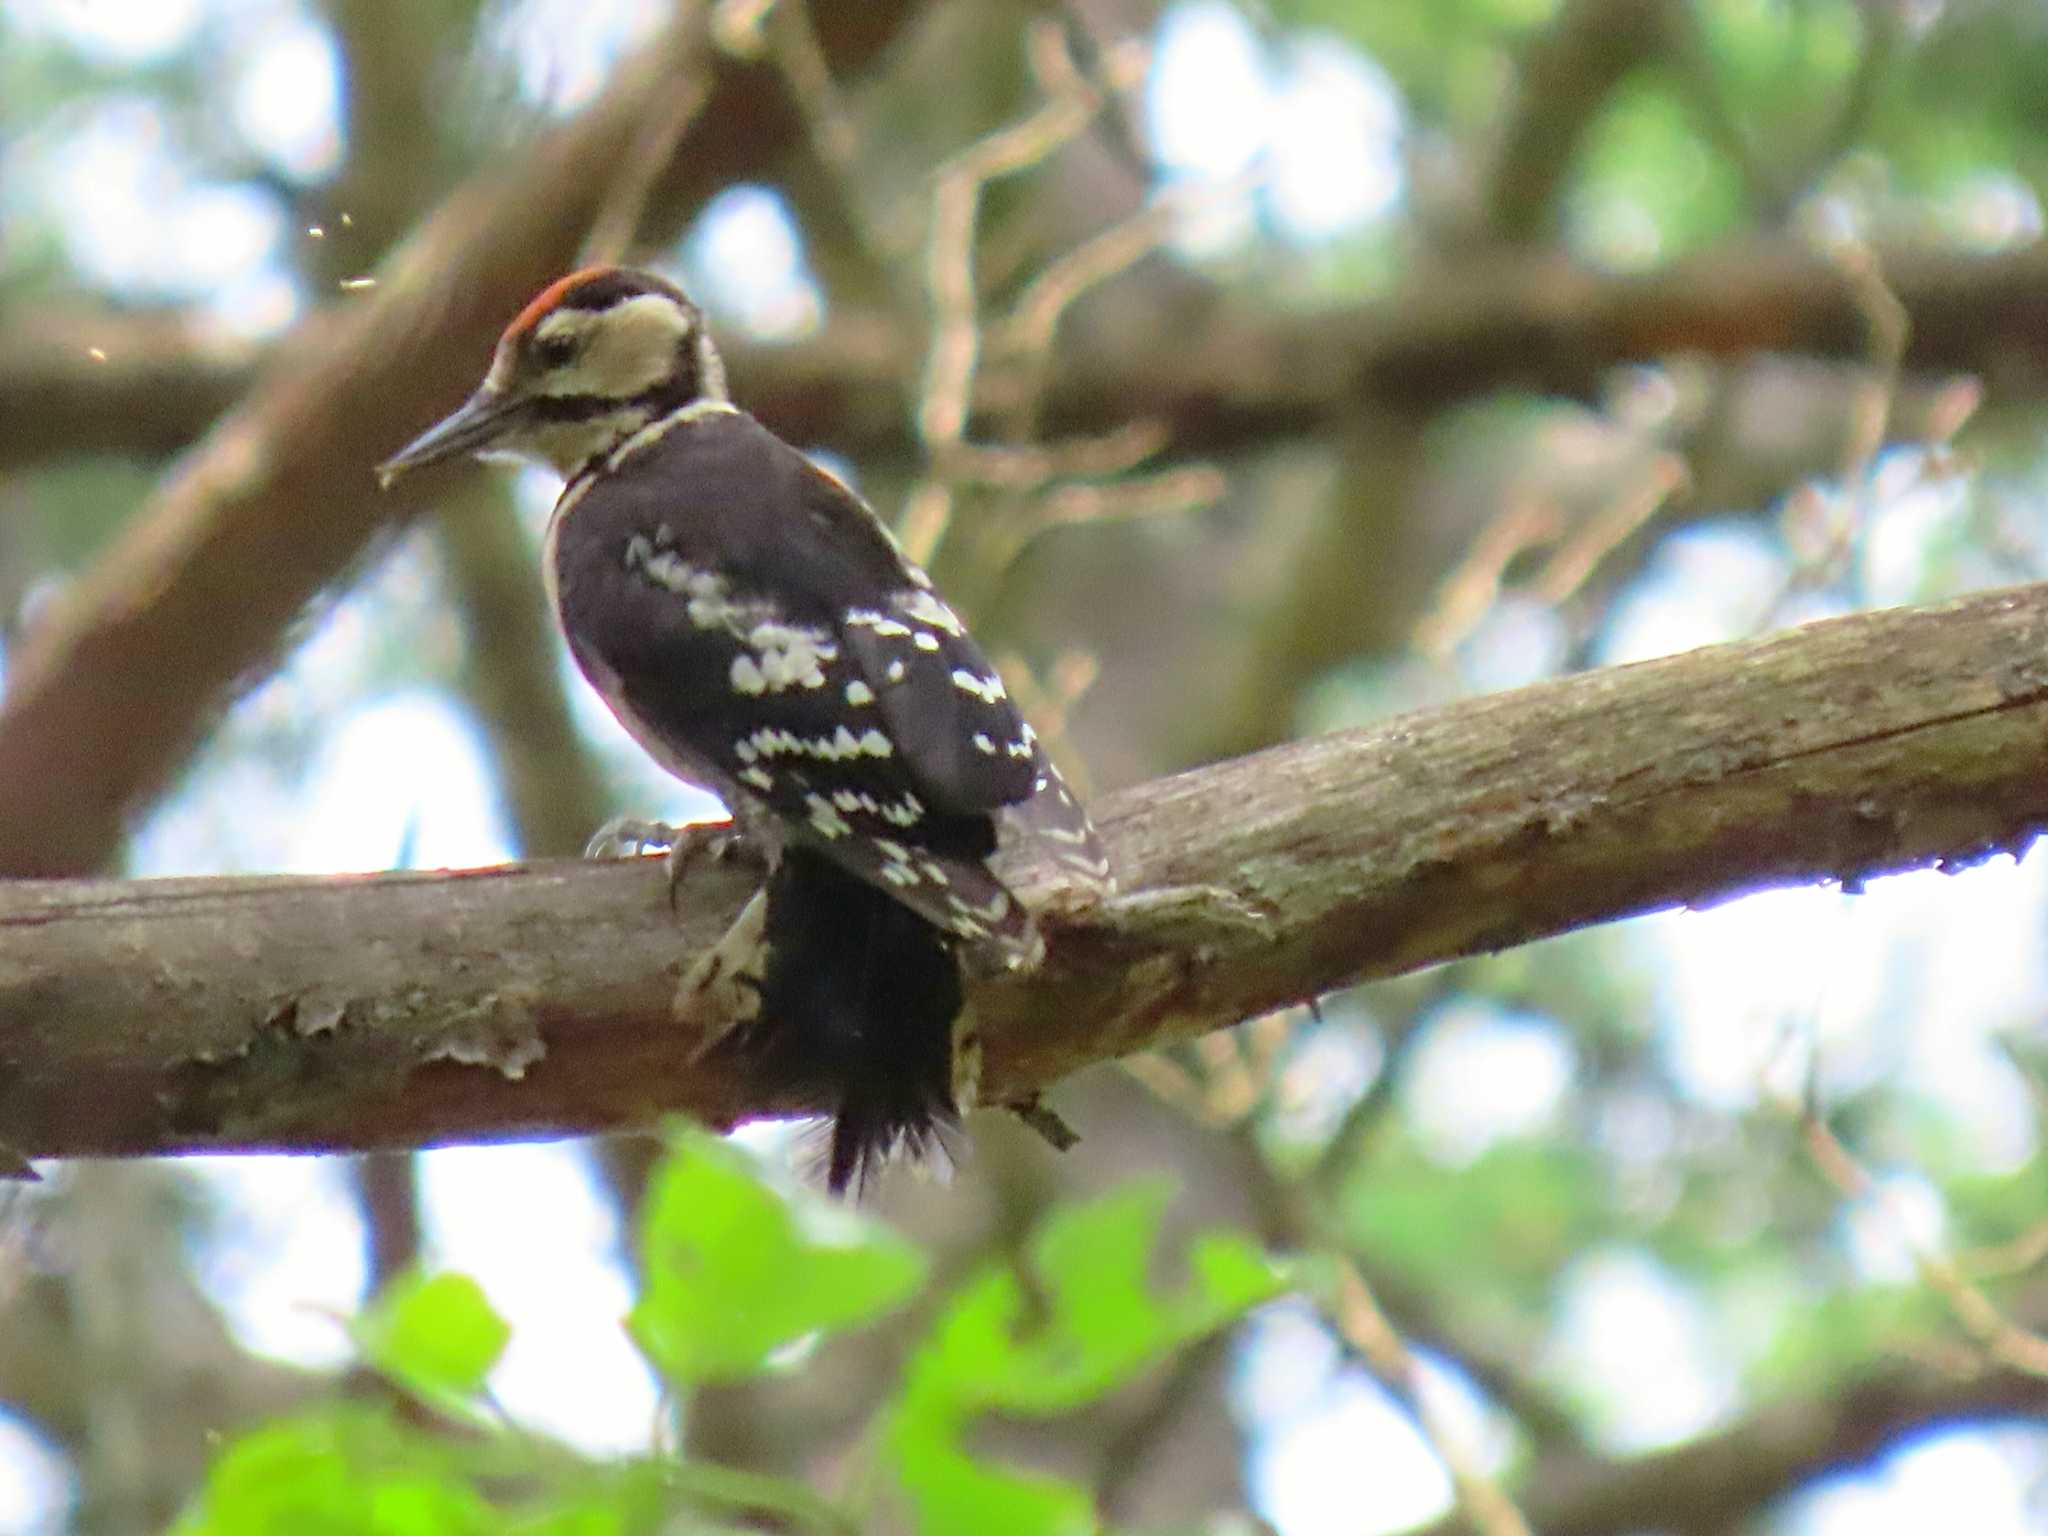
858	999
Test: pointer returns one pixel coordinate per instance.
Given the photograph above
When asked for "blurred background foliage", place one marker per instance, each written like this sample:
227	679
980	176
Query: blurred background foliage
1573	1237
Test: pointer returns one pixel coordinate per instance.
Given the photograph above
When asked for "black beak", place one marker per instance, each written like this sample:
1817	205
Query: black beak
481	420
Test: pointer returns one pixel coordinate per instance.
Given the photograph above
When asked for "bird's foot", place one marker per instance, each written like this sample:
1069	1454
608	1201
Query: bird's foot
627	837
689	845
722	990
713	842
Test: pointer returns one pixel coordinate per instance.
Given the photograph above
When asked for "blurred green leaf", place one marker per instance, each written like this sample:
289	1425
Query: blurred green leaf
733	1271
1648	187
1842	1330
436	1335
1102	1325
1996	1210
361	1471
635	1499
346	1472
1771	56
954	1492
70	509
1506	1222
1448	57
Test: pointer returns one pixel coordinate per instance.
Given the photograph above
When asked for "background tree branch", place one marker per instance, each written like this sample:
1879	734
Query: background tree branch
1719	1480
1232	376
408	1009
1566	76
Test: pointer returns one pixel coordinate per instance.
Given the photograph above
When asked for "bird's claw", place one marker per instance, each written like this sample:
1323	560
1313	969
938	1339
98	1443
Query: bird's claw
713	842
627	837
694	843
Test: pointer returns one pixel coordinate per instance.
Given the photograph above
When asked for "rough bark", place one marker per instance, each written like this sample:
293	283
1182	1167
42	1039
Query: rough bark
406	1009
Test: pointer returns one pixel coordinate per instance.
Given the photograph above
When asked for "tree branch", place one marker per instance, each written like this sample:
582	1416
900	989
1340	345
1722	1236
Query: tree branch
78	381
1242	374
1566	77
1715	1482
528	1001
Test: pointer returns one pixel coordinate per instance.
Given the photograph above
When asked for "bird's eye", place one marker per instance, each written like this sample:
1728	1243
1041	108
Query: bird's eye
554	351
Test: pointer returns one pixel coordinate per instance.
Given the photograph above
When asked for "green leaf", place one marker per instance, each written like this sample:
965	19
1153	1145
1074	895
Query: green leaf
347	1472
435	1335
1775	57
360	1471
630	1499
1104	1324
733	1271
954	1492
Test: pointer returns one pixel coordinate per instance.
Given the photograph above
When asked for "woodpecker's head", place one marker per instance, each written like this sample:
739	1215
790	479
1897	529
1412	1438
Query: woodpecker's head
594	358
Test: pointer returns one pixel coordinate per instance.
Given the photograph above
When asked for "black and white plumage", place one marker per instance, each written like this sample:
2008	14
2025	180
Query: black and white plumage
863	1021
755	627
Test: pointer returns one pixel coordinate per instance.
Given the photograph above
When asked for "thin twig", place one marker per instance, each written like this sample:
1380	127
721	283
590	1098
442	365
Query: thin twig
1467	595
956	203
1170	1080
792	43
1365	1327
1889	328
1530	522
1231	1089
1998	1336
1266	1040
1033	466
1822	531
1025	337
1585	547
945	398
1170	493
1400	1039
1034	319
625	203
2014	1257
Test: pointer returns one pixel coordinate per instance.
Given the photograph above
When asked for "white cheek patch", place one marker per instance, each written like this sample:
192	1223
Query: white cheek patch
626	350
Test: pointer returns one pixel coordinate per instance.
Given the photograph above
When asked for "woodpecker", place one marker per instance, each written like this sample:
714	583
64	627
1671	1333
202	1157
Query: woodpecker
755	627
